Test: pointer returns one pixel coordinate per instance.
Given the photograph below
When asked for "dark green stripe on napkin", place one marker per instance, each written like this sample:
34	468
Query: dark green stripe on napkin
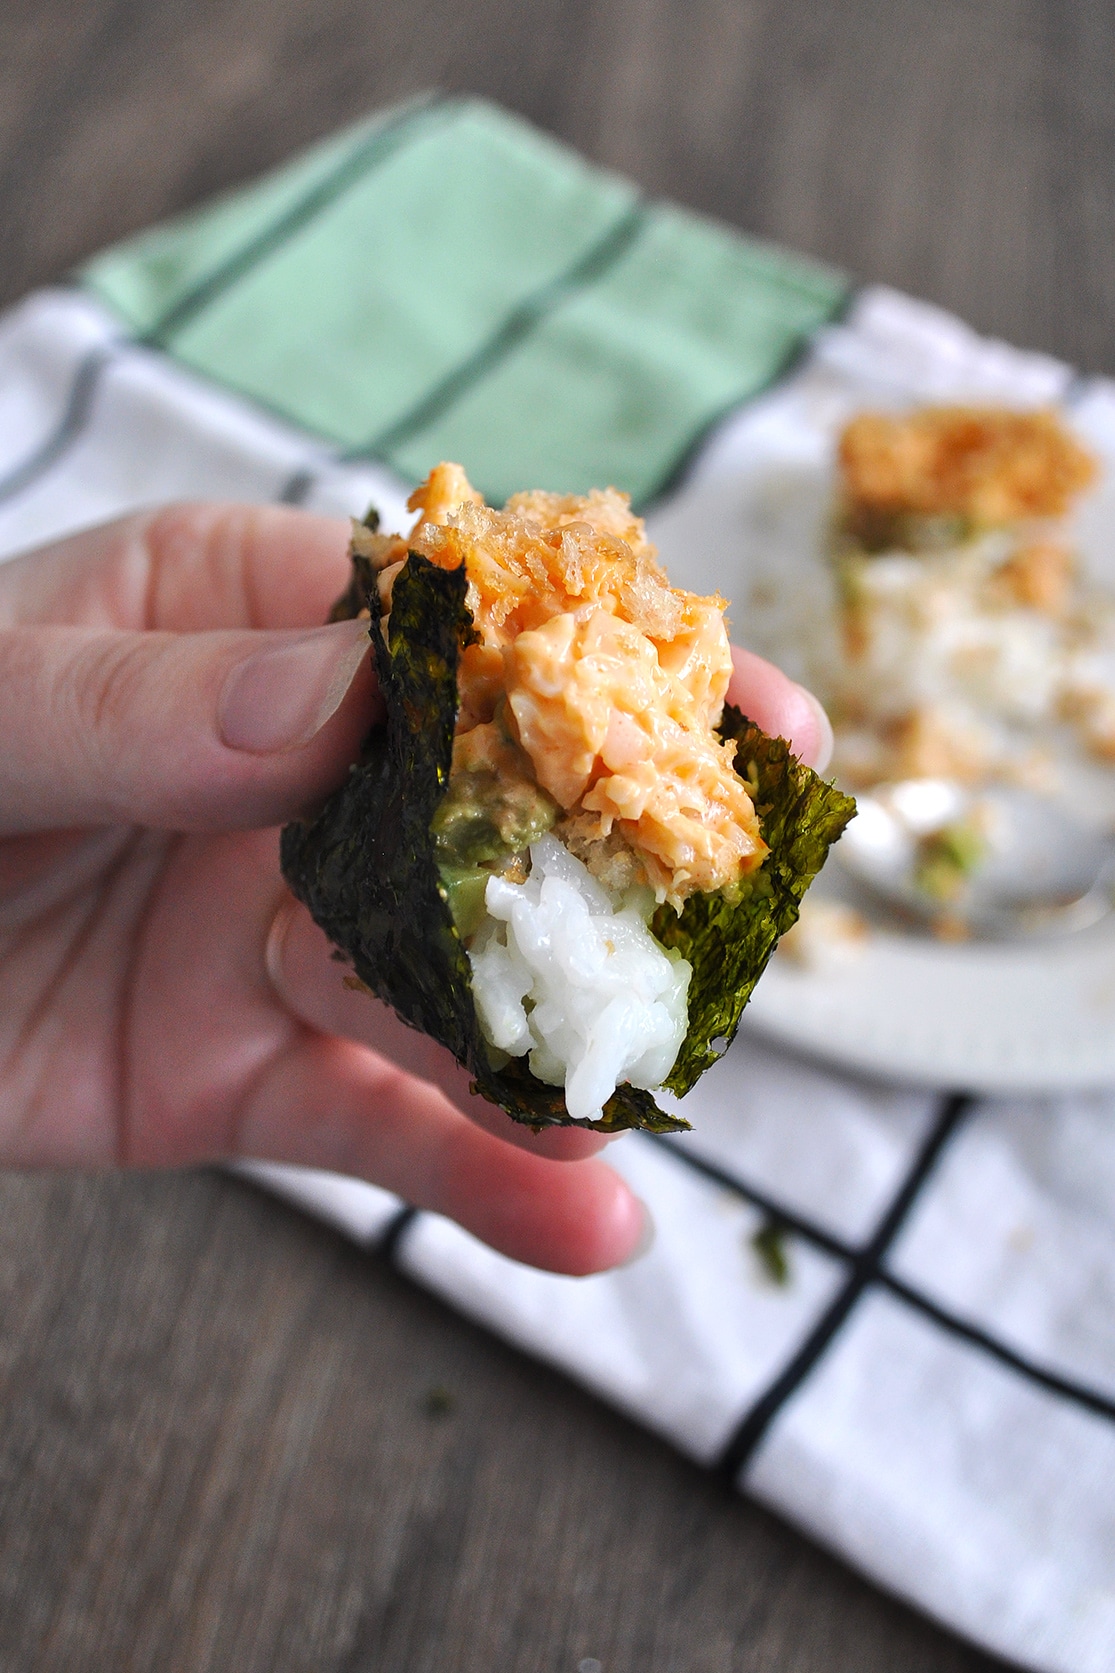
446	282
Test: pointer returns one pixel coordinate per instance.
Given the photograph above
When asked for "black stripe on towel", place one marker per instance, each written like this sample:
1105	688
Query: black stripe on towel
674	476
394	1232
788	1218
1094	1400
75	417
864	1270
1102	1405
521	322
369	155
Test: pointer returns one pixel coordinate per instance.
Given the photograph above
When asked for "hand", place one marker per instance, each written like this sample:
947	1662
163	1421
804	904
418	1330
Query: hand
166	702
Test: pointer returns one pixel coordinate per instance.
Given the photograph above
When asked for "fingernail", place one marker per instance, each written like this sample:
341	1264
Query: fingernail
646	1236
276	942
821	753
281	697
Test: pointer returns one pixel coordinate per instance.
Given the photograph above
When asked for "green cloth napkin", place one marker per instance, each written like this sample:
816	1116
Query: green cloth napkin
445	282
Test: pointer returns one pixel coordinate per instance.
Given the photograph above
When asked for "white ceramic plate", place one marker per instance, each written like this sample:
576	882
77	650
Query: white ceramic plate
1036	1016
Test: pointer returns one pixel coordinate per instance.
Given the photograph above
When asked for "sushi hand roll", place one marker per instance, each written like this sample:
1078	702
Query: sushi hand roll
563	855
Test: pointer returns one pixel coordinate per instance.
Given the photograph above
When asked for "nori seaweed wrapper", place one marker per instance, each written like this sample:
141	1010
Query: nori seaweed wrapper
365	864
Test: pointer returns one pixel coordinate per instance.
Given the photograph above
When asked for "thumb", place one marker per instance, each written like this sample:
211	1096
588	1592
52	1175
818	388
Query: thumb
177	731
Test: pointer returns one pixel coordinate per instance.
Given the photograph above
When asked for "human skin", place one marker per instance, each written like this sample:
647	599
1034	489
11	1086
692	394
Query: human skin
167	702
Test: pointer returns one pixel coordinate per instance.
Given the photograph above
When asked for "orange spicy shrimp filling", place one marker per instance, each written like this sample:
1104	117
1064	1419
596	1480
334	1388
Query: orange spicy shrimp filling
594	678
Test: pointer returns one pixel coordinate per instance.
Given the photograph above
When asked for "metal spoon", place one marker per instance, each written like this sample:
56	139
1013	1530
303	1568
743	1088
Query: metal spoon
996	862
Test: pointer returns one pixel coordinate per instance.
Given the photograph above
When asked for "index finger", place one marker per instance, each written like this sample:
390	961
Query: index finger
184	569
781	707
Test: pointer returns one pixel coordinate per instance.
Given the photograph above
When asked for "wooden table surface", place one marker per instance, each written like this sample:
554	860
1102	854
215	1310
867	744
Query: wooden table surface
217	1448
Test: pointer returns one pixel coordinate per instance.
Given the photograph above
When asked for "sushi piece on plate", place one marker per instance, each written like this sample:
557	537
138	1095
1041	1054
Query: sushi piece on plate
563	855
969	628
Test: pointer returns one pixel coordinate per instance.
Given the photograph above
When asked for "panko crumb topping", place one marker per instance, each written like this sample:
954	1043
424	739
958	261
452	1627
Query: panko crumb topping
601	680
986	465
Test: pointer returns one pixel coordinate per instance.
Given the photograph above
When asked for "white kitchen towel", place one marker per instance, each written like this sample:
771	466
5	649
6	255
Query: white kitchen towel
887	1313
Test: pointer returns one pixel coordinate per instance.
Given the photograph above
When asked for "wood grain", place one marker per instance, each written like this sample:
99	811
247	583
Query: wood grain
217	1449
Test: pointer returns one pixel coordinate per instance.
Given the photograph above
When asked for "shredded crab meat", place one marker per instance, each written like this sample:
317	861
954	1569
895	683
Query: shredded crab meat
611	680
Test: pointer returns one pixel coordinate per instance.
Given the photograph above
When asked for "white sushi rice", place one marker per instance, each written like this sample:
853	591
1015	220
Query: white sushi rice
933	637
563	973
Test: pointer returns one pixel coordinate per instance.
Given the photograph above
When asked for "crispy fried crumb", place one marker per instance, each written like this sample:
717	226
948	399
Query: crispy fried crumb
1039	577
990	465
925	744
949	926
610	859
1093	711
